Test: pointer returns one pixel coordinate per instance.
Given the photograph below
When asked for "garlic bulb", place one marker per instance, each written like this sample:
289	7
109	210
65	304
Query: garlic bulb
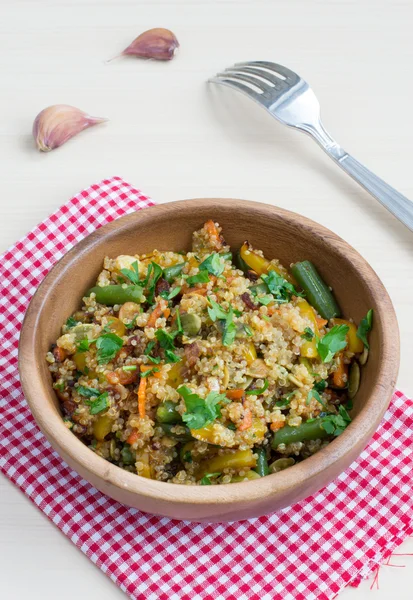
56	124
157	43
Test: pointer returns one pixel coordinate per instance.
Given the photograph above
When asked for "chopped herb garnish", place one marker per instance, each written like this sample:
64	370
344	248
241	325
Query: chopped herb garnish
266	318
201	277
60	387
149	347
320	386
132	324
213	264
332	342
171	357
364	328
178	322
154	359
308	334
187	457
216	312
200	411
71	322
165	339
150	372
206	480
237	313
265	300
280	288
101	403
107	345
285	400
129	368
336	424
248	330
259	391
314	394
231	426
87	392
171	294
133	273
83	345
153	274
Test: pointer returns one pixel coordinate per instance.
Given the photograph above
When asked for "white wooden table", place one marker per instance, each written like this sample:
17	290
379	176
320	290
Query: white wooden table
175	137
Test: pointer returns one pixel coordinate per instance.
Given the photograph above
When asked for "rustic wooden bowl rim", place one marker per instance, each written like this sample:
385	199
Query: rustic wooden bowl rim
230	495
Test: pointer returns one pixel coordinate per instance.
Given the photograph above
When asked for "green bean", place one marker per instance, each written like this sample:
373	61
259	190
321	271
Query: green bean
317	292
117	294
167	413
310	430
171	273
262	463
180	437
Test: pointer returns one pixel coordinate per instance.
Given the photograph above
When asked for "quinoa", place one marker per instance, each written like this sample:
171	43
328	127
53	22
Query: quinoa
189	376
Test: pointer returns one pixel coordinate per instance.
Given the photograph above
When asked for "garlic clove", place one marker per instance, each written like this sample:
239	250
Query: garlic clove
56	124
157	43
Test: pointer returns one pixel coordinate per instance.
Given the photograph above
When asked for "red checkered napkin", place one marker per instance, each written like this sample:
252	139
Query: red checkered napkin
306	552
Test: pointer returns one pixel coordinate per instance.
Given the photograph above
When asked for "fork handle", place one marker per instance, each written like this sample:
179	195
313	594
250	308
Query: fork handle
400	206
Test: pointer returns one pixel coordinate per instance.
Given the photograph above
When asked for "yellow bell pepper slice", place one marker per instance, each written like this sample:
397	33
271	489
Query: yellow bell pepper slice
354	344
309	348
260	264
116	326
142	456
102	427
240	459
249	353
175	375
204	434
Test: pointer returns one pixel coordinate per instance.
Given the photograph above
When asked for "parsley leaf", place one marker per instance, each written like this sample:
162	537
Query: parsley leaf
83	345
265	300
364	328
202	277
71	322
101	403
132	324
308	334
280	288
132	274
171	294
332	342
165	339
200	412
206	480
314	394
216	312
60	387
87	392
150	372
285	400
320	386
171	357
107	345
237	313
213	264
153	274
336	424
261	390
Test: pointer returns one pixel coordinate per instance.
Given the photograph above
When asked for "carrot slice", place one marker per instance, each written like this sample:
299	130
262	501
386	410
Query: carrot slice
156	374
321	322
340	374
133	437
247	420
142	397
155	314
235	394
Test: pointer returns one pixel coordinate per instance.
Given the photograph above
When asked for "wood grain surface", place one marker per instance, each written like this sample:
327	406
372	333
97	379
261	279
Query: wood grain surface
173	136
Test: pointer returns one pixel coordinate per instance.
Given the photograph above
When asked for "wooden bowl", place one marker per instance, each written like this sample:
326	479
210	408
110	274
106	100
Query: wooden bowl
278	233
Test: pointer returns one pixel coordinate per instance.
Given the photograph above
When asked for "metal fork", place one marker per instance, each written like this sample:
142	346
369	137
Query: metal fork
289	98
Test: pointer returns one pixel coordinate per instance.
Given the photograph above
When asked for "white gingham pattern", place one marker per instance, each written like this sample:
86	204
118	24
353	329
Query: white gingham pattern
306	552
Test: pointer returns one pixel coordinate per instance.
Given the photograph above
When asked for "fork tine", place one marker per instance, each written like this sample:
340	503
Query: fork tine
290	76
243	76
235	85
277	82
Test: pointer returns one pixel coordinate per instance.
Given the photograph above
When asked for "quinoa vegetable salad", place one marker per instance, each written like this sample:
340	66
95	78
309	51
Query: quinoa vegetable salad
207	367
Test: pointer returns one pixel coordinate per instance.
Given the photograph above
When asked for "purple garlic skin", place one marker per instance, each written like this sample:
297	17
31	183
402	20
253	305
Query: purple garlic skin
56	124
157	43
